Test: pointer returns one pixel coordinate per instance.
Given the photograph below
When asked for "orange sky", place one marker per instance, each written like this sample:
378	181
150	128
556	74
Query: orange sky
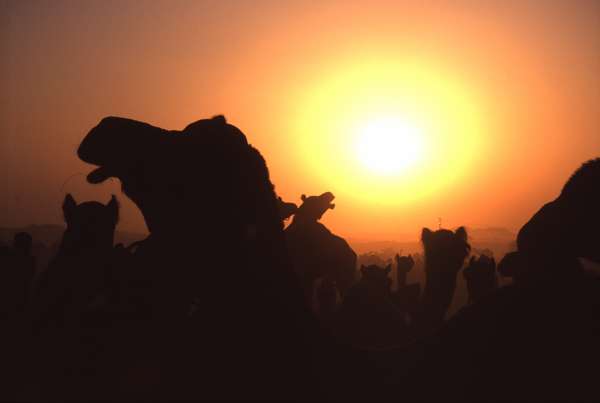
522	78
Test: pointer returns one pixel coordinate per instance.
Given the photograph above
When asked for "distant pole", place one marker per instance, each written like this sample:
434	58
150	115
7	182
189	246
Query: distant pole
439	222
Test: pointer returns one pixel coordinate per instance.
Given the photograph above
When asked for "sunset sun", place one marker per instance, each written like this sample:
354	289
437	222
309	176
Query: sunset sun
384	130
388	145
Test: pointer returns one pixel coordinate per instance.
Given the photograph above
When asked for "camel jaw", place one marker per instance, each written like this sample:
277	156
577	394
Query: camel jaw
99	175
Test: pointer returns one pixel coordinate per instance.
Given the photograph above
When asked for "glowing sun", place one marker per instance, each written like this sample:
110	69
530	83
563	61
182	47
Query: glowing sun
386	131
388	145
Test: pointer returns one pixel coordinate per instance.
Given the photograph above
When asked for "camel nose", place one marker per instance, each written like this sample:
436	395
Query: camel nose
97	143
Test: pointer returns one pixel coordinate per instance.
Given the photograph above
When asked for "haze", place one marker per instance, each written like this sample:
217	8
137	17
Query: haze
511	88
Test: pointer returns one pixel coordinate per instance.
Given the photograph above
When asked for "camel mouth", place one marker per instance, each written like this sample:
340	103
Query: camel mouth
99	175
328	196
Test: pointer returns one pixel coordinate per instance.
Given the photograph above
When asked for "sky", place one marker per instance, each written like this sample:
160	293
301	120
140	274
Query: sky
493	104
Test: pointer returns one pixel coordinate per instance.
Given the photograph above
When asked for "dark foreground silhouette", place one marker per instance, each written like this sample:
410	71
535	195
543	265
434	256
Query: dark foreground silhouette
243	309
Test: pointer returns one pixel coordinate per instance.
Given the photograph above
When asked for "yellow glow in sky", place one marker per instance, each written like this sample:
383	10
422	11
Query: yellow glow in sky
387	131
388	145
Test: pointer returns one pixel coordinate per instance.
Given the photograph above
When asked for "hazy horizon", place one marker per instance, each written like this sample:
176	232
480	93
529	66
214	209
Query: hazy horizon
502	234
508	93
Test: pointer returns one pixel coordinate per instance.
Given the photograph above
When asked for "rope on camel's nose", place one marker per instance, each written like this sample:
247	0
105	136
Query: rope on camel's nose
62	187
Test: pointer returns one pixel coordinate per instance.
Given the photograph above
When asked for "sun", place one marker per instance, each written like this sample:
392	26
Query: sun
386	131
389	145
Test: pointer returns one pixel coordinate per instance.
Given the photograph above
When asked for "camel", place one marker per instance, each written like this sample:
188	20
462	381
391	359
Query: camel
316	252
407	295
215	262
445	253
404	264
368	316
204	188
565	228
480	275
538	335
82	272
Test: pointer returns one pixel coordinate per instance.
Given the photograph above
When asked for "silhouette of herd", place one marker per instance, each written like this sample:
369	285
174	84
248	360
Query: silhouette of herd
224	301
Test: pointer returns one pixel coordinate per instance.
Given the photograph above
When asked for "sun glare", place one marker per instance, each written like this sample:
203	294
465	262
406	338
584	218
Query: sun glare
388	145
386	131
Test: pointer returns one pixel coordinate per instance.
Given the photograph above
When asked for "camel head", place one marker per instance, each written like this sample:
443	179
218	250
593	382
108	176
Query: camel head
205	177
376	278
313	207
90	225
445	248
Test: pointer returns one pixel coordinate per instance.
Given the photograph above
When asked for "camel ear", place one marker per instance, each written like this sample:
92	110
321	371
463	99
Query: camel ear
332	206
426	235
113	205
461	233
303	197
69	205
388	268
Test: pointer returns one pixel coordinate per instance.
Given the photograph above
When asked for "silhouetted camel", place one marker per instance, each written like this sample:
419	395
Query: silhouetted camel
82	273
218	281
524	268
575	208
510	265
445	253
565	228
406	296
315	251
540	335
78	283
368	317
404	265
480	275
